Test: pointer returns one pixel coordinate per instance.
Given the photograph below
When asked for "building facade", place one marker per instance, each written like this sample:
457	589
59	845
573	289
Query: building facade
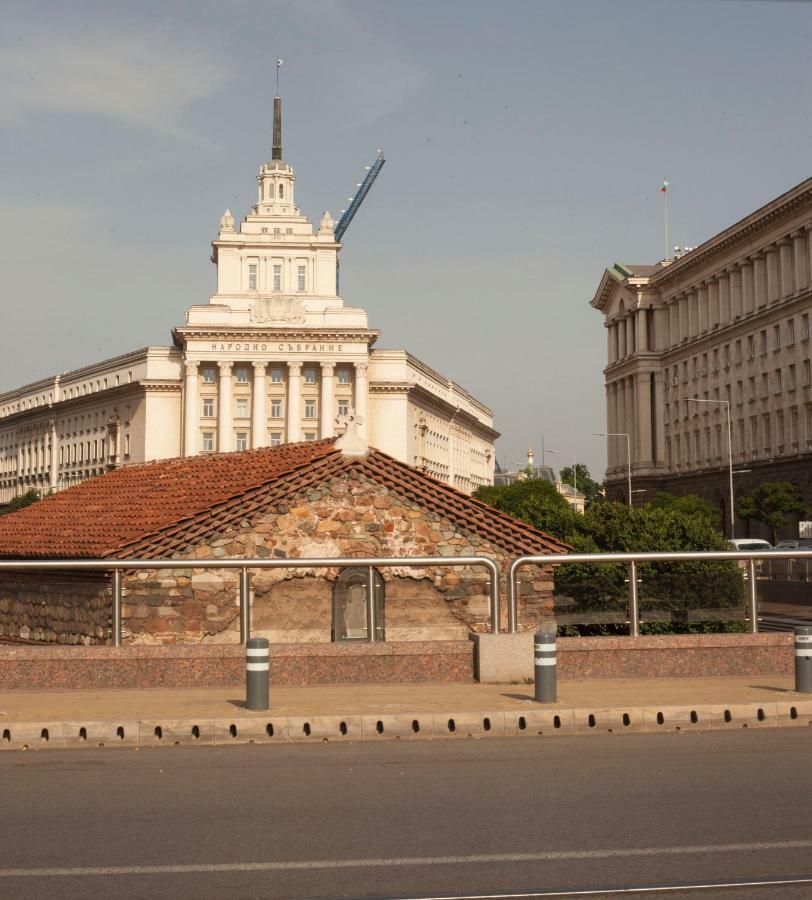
274	357
716	340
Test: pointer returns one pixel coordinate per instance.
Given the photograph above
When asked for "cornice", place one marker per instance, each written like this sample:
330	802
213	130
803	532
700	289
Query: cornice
254	335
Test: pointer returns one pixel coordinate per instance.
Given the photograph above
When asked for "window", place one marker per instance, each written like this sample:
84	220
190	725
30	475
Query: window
739	393
350	605
310	409
281	191
779	429
790	332
807	372
763	341
776	338
344	408
252	276
242	375
704	363
765	384
276	409
277	277
727	356
751	347
791	385
805	327
310	376
793	425
753	434
241	408
777	381
740	431
344	376
208	375
716	360
276	438
310	436
693	369
242	440
276	376
751	385
300	278
208	441
208	407
685	372
738	353
765	419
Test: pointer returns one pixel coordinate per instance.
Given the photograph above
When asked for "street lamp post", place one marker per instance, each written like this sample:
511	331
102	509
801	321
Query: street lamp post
726	404
574	467
608	434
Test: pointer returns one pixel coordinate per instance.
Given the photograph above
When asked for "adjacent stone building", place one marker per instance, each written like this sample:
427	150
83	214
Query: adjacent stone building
721	329
316	499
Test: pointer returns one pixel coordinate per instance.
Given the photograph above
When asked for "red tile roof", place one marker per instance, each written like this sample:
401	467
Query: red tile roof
153	509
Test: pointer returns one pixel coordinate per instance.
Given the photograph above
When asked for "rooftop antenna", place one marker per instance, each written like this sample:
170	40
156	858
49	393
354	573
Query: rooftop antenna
279	64
664	192
276	151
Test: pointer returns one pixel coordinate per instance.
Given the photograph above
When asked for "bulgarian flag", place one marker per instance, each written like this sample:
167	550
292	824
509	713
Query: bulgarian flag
664	188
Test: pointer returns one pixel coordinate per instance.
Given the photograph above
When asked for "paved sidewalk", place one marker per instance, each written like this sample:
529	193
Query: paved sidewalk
369	699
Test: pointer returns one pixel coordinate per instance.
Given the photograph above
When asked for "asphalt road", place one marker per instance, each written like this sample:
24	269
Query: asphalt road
428	819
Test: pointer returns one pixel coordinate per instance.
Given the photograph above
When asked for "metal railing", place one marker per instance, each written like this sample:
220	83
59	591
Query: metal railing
632	559
117	566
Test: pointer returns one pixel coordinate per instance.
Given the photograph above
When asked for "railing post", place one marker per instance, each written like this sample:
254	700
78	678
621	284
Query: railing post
494	574
116	586
634	605
753	596
371	618
245	606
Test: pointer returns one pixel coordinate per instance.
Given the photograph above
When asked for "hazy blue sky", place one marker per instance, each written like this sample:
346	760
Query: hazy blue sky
525	142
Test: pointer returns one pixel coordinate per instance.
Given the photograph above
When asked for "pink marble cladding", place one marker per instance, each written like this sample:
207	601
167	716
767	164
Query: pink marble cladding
222	665
675	656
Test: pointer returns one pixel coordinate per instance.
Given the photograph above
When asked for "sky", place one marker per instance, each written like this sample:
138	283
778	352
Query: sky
526	143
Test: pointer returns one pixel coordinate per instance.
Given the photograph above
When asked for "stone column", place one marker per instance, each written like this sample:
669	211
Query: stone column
682	302
673	322
802	274
225	422
735	292
748	303
621	338
54	474
610	358
631	424
759	280
362	399
630	348
693	313
702	307
659	416
808	229
787	268
259	418
294	411
713	302
724	298
191	401
327	425
773	286
642	329
643	398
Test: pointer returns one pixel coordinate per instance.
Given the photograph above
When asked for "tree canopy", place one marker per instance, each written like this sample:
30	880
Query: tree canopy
772	503
22	501
591	489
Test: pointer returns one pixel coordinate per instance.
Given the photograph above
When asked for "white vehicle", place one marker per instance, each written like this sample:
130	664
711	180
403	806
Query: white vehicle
749	544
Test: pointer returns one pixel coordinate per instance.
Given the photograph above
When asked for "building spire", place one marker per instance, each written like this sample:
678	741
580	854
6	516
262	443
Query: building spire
276	152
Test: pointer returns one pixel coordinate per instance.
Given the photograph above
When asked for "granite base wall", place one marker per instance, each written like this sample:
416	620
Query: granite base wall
223	665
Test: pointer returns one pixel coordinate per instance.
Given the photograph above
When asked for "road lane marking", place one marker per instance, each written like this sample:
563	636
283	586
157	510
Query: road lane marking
474	859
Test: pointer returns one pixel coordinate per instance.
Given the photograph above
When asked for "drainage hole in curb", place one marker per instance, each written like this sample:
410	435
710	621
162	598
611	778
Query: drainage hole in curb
793	712
728	717
452	725
415	726
269	729
660	719
694	717
379	726
522	723
760	714
196	732
159	732
120	732
486	724
591	720
626	720
306	729
232	730
343	728
7	734
83	733
556	721
43	735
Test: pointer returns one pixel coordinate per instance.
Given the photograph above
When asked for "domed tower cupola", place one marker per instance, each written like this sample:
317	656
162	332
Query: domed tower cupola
276	178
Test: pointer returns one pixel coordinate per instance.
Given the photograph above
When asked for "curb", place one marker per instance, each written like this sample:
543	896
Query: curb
270	729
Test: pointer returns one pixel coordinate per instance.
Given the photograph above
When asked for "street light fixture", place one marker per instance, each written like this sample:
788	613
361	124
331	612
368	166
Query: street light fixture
726	404
608	434
574	467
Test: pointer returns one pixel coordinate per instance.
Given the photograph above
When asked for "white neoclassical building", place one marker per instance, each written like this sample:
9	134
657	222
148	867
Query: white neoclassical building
274	356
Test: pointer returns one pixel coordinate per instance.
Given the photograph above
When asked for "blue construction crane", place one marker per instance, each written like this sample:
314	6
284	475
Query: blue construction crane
357	200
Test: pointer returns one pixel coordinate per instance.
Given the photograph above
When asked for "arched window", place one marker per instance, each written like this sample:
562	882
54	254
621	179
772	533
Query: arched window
351	605
281	191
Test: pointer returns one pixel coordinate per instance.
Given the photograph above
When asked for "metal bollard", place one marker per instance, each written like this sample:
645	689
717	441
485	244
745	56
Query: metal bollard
803	659
545	665
256	673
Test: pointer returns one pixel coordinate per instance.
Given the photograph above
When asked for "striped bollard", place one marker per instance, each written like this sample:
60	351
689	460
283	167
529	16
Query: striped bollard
803	659
256	673
545	666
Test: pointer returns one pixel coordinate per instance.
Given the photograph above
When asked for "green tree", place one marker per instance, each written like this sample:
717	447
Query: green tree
534	501
591	489
688	505
772	503
21	501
